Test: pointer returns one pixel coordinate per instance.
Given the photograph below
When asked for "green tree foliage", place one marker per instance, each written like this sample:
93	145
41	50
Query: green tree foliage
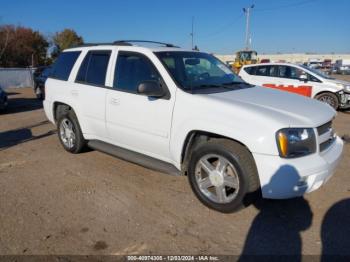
20	46
65	39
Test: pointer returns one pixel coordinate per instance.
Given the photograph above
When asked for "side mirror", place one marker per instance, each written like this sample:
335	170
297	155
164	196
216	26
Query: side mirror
150	88
303	78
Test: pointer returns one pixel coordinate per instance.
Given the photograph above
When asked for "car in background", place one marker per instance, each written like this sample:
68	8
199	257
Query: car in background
265	60
314	63
40	76
343	66
301	80
3	99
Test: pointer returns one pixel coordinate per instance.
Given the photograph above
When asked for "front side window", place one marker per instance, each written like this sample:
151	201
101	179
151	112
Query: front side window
194	71
93	70
318	73
131	70
295	73
283	71
63	65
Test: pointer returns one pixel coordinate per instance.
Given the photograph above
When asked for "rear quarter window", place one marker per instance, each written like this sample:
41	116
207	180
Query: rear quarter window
63	66
250	70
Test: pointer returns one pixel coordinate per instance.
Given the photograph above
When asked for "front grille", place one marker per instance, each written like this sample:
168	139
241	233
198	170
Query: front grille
326	136
324	128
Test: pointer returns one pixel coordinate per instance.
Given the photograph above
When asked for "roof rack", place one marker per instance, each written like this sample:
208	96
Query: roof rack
128	42
97	44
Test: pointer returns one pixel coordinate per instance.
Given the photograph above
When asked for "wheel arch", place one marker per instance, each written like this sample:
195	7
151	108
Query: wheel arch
194	138
326	91
55	107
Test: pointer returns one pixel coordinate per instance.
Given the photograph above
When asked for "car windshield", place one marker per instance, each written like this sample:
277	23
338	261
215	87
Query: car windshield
195	71
317	72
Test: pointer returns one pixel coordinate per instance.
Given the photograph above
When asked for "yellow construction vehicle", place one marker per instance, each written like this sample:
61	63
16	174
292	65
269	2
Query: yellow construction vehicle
245	57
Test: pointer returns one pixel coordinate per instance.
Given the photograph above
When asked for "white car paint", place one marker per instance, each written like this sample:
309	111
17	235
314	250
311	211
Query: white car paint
159	127
339	87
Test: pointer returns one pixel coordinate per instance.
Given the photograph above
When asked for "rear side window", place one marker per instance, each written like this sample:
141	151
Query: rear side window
93	70
64	64
131	70
261	71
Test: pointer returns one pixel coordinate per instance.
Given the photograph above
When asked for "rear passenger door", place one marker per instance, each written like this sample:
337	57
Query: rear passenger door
90	90
135	121
262	74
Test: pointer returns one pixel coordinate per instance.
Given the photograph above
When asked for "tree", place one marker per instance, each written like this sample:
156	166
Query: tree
21	47
65	39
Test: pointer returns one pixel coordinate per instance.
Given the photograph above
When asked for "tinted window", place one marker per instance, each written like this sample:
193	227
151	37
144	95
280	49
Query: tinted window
63	65
261	71
131	70
93	70
292	72
295	73
250	70
283	71
272	71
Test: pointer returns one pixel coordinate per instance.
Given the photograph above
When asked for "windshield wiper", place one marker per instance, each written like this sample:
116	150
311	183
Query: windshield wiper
230	85
234	83
208	86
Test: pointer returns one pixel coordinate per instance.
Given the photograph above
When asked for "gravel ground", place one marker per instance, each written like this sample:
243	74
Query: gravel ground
53	202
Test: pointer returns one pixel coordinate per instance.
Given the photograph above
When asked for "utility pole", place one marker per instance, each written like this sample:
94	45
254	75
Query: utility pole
6	41
192	33
247	11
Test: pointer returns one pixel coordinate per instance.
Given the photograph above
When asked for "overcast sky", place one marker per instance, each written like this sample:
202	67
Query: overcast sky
276	25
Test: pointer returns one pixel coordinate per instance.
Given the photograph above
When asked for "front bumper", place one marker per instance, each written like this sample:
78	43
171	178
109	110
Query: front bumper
344	99
287	178
48	106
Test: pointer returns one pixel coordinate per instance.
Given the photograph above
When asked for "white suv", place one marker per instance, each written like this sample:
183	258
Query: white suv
185	112
301	80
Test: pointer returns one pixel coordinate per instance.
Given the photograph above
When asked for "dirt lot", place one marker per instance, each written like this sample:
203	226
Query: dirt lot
52	202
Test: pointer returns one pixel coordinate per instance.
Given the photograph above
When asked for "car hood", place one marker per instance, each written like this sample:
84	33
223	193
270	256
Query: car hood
289	110
337	81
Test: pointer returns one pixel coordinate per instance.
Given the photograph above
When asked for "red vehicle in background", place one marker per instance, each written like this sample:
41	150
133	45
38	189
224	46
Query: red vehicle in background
327	66
265	60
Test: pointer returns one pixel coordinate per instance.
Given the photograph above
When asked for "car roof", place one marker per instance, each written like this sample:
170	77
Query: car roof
125	45
273	63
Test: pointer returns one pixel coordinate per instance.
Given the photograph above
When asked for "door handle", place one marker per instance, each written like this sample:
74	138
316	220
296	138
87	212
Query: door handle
114	101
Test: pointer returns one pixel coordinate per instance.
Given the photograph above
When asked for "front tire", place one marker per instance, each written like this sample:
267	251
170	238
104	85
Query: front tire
329	98
223	175
69	132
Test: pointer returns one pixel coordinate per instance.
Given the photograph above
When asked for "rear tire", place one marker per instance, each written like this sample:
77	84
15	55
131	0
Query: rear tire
223	175
329	98
69	132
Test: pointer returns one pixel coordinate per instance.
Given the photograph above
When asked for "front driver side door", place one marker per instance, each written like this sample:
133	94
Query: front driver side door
135	121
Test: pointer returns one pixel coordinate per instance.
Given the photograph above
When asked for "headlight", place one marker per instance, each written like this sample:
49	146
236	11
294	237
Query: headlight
345	87
296	142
